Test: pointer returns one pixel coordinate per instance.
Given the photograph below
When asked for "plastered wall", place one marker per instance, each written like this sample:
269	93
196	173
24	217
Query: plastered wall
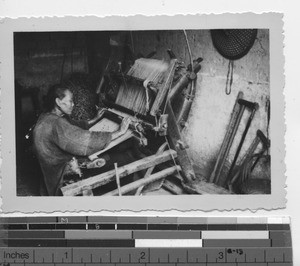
211	109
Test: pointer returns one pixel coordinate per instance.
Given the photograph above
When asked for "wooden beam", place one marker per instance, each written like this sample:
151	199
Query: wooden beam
102	179
164	88
144	181
150	170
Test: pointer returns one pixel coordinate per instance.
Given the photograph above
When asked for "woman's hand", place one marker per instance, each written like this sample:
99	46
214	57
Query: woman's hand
125	125
100	112
93	121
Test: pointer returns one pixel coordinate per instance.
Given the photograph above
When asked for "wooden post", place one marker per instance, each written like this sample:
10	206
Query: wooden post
118	179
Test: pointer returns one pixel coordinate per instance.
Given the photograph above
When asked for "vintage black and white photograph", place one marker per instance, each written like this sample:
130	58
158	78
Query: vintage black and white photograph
166	112
146	113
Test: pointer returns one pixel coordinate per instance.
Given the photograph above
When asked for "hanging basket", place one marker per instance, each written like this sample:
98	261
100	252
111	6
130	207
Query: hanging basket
233	44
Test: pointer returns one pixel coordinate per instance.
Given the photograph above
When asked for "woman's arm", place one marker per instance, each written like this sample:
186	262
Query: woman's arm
78	141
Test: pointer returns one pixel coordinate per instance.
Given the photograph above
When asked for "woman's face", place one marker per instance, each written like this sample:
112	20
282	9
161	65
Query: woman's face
66	104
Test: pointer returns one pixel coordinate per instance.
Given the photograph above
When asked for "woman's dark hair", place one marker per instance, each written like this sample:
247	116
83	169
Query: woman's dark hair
55	91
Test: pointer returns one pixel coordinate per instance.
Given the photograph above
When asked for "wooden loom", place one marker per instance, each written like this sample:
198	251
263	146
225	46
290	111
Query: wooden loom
146	94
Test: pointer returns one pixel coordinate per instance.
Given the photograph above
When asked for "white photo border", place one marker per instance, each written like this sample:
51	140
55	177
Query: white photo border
12	203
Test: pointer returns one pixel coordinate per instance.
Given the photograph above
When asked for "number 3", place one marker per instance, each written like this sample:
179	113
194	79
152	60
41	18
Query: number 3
221	255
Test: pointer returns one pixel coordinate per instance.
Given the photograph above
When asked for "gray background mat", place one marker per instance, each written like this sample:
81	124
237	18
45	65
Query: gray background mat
15	8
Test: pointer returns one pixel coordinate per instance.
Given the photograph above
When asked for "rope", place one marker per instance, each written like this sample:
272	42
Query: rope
189	49
229	78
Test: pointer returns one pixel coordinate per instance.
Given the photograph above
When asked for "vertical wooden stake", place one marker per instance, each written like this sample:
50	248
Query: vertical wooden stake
118	179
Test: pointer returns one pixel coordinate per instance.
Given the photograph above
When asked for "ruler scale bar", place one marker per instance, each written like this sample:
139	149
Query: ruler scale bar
161	241
149	255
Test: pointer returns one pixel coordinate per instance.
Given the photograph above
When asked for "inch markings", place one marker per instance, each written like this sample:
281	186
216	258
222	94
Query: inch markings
146	255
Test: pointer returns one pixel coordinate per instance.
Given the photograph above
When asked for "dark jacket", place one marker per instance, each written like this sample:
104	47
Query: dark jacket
56	141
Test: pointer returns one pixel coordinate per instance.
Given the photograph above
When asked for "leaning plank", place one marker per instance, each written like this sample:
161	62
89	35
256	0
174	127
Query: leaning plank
102	179
144	181
229	131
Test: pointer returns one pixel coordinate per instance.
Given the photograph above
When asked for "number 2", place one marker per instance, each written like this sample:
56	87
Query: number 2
142	257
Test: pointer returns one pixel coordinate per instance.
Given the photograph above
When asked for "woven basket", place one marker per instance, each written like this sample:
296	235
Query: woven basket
233	44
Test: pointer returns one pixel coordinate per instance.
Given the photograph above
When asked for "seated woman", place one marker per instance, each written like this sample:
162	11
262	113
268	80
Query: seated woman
57	139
